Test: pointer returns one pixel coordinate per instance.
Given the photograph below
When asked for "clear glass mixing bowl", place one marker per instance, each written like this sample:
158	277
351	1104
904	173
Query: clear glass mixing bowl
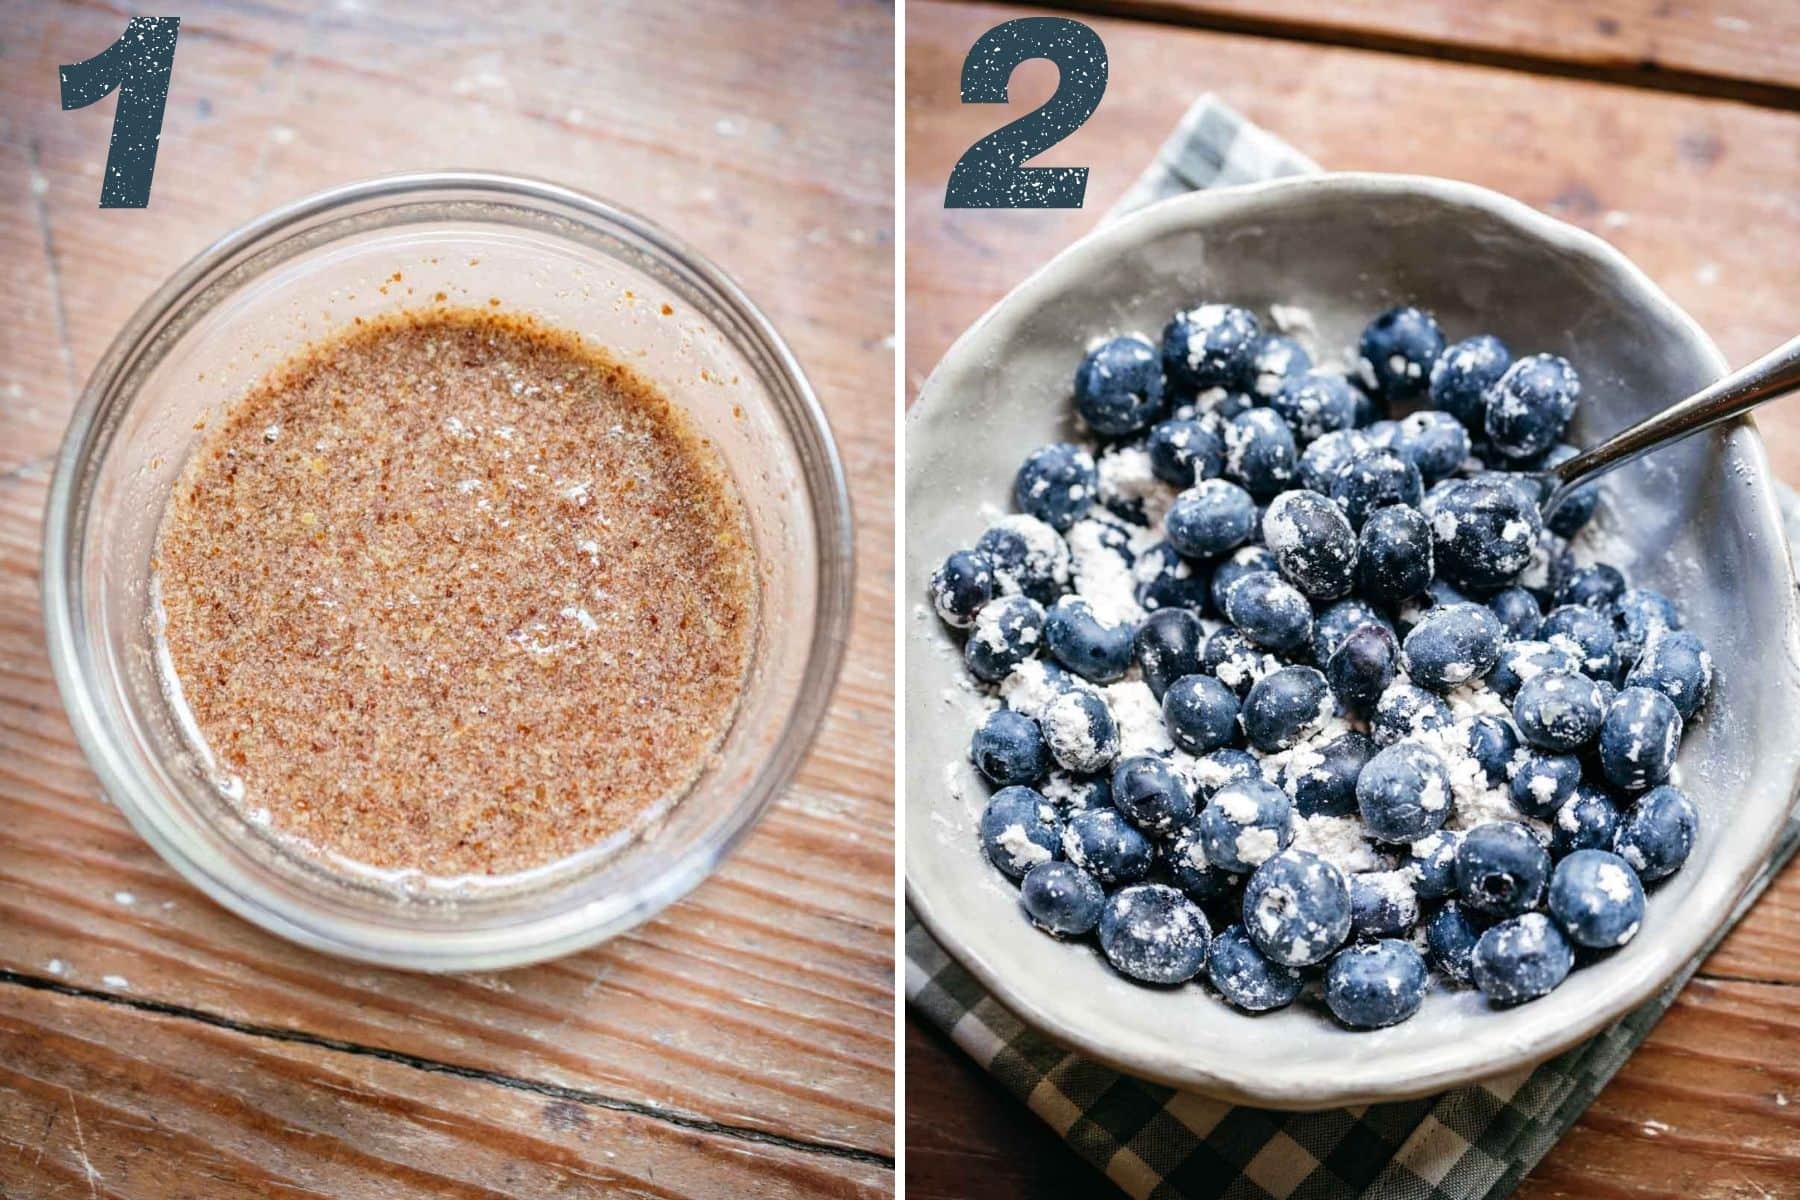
303	272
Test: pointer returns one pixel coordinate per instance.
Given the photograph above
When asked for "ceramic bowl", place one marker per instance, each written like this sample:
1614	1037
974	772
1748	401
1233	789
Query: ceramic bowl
1698	521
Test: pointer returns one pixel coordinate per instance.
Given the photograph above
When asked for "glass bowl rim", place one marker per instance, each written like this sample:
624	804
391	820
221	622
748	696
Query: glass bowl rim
238	885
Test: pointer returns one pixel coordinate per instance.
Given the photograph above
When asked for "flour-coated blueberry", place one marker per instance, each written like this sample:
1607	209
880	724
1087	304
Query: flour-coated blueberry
1009	748
1211	345
1483	533
1493	742
1639	738
1521	959
1323	783
1148	792
961	586
1167	646
1559	711
1320	461
1394	556
1184	452
1657	835
1405	709
1576	509
1200	713
1435	441
1027	556
1297	908
1397	351
1104	844
1062	899
1372	985
1597	586
1403	793
1286	706
1269	611
1056	484
1246	977
1166	579
1529	407
1315	404
1244	824
1080	731
1224	767
1241	562
1210	518
1341	619
1260	452
1543	783
1522	660
1596	897
1152	933
1235	661
1432	860
1119	387
1019	830
1006	632
1374	479
1363	667
1312	542
1519	613
1643	615
1501	869
1451	646
1276	359
1676	664
1383	904
1586	634
1084	644
1462	375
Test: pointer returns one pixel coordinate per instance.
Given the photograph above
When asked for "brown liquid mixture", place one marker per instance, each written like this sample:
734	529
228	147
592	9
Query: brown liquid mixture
454	593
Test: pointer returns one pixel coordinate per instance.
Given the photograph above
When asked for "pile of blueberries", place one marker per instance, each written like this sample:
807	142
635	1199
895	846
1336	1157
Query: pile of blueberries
1338	553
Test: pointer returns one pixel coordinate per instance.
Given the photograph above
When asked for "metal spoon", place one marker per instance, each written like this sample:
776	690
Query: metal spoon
1773	375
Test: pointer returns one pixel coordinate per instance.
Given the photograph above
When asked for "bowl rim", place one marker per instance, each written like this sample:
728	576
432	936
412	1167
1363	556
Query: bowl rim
1364	1082
542	936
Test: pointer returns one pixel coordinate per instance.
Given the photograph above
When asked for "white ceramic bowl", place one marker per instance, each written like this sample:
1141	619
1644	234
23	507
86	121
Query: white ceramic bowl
1698	521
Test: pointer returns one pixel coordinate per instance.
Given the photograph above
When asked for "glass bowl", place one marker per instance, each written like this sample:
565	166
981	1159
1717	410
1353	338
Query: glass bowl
303	272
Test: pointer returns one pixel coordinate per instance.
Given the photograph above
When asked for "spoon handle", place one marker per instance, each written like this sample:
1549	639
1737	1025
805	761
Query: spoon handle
1774	374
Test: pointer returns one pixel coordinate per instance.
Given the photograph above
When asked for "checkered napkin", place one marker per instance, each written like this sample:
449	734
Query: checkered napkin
1156	1142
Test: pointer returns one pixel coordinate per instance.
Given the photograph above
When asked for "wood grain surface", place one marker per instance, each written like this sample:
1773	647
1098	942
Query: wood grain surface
742	1042
1703	193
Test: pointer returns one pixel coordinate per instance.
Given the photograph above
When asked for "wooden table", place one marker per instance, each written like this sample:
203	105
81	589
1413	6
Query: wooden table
1671	130
153	1045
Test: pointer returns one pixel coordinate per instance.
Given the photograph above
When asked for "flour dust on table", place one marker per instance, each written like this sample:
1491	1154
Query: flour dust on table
1292	688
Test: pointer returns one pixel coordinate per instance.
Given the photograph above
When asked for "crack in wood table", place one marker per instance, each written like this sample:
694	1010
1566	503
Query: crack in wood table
1672	130
151	1044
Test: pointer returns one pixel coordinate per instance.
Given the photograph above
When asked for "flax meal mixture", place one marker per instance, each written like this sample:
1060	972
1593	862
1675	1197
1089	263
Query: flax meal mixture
456	594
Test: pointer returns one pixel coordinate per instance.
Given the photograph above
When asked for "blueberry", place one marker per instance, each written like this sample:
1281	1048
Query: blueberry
1383	904
1559	710
1167	646
1007	632
961	586
1373	480
1028	558
1597	899
1639	738
1062	899
1586	634
1242	562
1462	375
1543	784
1501	869
1437	594
1153	933
1394	555
1019	830
1149	794
1587	820
1210	518
1404	793
1312	543
1436	443
1644	615
1315	404
1101	842
1222	768
1658	834
1217	404
1375	984
1260	452
1056	484
1297	908
1518	612
1184	452
1451	646
1200	713
1167	580
1530	405
1596	586
1450	943
1324	782
1009	748
1338	622
1575	510
1320	461
1245	978
1404	710
1398	350
1276	359
1524	660
1212	345
1432	860
1080	731
1244	824
1232	659
1493	743
1363	667
1483	533
1269	611
1119	386
1079	641
1521	959
1677	665
1183	858
1285	707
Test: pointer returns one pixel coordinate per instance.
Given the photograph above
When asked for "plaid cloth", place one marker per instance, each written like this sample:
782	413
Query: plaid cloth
1154	1142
